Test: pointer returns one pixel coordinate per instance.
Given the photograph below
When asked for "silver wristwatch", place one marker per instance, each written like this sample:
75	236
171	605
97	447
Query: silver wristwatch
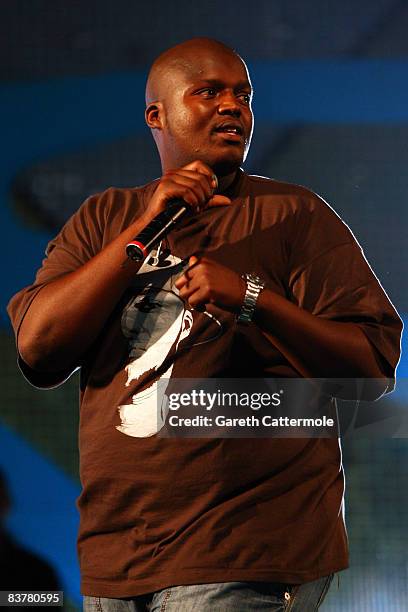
254	286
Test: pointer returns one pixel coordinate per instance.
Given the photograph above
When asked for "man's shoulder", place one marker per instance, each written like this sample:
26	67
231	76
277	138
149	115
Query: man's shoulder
299	197
117	200
265	184
120	194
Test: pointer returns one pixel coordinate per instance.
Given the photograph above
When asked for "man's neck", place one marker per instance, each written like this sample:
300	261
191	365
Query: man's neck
225	182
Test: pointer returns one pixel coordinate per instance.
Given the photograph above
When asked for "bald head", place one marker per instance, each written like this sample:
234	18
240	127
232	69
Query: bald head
181	59
191	88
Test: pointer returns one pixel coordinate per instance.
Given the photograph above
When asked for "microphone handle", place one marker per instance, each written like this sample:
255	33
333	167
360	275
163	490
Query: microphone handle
139	248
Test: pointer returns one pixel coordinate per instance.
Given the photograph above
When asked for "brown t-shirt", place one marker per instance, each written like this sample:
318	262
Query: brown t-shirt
157	512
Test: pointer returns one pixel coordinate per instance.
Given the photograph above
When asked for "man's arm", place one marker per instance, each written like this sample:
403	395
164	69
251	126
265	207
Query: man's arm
316	347
68	314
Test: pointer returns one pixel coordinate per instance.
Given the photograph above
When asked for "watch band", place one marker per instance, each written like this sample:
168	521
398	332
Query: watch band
254	286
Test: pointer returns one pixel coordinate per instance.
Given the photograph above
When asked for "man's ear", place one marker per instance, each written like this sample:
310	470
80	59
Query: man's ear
153	115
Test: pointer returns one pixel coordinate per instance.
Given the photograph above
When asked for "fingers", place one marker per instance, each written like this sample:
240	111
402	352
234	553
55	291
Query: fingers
218	200
206	281
191	287
194	295
195	188
194	183
194	260
198	167
199	193
183	283
186	277
201	167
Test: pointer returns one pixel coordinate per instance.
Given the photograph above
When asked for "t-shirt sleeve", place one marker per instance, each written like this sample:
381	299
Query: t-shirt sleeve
78	241
331	278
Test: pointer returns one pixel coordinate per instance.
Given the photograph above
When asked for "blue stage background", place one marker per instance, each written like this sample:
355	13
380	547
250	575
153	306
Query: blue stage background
331	108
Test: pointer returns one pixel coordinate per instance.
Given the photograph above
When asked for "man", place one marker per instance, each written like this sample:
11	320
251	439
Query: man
204	524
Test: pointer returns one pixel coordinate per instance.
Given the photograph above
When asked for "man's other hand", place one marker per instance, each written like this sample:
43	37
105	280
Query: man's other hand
208	282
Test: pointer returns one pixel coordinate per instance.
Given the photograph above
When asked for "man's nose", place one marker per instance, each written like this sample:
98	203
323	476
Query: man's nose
228	104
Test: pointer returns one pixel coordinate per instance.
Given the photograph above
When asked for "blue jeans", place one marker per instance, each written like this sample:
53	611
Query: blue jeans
221	597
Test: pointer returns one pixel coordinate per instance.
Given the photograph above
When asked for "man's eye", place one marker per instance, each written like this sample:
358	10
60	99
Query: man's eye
209	91
246	97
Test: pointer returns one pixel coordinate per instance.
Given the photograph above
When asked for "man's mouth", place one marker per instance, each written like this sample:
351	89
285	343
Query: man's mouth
230	131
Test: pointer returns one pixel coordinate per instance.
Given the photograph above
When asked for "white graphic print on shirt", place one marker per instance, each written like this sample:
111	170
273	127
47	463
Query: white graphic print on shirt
153	320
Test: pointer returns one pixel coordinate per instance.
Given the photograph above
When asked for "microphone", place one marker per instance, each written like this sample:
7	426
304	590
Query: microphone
139	248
